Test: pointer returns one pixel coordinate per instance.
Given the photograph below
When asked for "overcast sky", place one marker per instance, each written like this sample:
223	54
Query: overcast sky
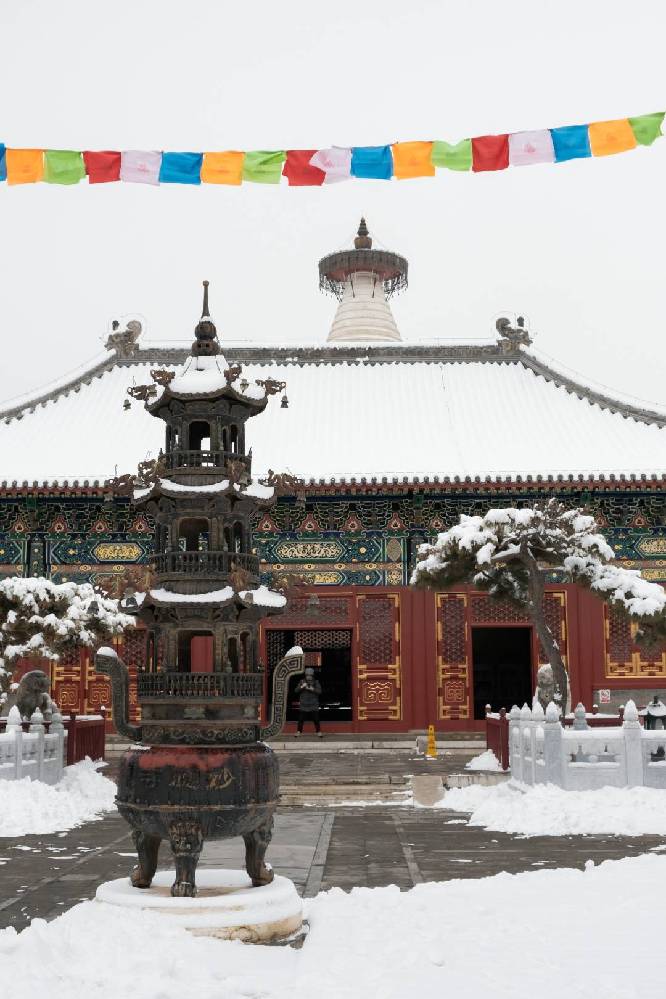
577	247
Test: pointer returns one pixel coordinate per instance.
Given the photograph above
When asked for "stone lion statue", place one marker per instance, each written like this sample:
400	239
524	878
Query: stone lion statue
32	693
545	691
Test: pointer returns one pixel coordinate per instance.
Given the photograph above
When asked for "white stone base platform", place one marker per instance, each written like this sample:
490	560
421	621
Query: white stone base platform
226	905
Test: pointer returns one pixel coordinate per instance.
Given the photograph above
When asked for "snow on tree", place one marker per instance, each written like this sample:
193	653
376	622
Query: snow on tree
42	618
507	553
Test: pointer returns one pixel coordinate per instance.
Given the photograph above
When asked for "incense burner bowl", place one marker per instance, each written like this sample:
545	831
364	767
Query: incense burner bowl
199	769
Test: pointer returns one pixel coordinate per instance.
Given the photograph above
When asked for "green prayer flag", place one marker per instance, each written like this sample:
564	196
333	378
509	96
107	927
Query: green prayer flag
647	127
457	156
63	166
264	167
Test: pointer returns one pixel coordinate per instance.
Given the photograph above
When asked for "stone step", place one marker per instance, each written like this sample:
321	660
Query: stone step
115	749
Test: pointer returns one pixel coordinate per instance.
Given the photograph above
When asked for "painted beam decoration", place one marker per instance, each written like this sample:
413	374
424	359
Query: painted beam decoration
316	167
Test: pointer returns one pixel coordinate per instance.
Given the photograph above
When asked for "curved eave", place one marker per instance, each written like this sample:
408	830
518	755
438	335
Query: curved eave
226	393
160	488
264	610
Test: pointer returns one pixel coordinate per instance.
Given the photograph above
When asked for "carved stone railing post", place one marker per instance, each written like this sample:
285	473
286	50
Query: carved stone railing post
552	747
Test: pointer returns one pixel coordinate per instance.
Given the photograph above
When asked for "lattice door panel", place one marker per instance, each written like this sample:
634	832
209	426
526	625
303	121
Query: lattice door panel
453	680
379	670
624	657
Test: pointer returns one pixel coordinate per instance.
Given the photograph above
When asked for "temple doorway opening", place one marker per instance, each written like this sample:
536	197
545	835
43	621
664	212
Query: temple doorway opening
328	652
502	668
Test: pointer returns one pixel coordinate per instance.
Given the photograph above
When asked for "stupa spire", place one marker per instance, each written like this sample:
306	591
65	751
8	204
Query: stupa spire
363	280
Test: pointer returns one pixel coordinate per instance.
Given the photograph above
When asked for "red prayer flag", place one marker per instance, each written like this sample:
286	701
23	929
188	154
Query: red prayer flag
490	152
102	167
299	172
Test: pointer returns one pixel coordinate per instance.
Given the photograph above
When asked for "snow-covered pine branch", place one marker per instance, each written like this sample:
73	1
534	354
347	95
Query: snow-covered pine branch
507	551
39	617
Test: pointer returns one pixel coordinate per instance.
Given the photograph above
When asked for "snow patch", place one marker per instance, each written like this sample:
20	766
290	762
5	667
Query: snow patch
485	761
30	807
420	941
546	810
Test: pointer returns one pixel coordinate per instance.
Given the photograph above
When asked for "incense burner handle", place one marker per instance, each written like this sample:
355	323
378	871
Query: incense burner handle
291	665
108	663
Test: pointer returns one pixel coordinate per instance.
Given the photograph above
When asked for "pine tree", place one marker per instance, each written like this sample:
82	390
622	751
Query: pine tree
46	619
508	552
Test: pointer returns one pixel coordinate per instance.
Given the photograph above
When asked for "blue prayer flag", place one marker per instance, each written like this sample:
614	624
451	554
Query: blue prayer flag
571	143
181	168
3	163
375	162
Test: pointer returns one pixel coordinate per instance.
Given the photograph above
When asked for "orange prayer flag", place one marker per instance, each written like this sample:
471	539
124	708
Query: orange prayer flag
25	166
412	159
608	137
222	168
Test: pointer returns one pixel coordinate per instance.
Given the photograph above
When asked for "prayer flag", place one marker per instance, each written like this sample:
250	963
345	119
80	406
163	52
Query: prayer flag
263	166
24	166
223	168
608	137
181	168
63	166
570	143
526	148
3	163
102	167
372	162
138	166
453	156
412	159
647	127
299	171
335	162
490	152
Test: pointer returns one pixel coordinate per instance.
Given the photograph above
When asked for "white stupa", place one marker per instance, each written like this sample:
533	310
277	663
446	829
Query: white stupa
363	280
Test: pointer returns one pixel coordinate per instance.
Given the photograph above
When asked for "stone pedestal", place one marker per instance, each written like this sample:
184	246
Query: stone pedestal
226	906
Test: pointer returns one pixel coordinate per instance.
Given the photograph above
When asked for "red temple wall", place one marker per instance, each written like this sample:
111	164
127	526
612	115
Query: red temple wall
411	653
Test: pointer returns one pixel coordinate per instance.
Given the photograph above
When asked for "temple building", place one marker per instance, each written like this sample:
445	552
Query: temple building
384	443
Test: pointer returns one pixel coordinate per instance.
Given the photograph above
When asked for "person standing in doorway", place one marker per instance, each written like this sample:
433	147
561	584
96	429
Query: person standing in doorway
309	692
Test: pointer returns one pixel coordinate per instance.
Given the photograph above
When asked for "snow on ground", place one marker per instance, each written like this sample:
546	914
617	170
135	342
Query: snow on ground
546	810
545	933
485	761
28	807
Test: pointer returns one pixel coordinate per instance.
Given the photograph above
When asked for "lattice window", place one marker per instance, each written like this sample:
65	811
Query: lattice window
276	646
453	632
376	631
337	639
302	610
134	647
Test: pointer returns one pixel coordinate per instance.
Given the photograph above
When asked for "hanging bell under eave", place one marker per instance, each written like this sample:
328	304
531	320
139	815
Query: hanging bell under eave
285	402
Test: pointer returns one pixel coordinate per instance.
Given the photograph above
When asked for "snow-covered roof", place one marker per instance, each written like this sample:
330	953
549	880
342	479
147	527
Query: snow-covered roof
261	596
406	411
168	488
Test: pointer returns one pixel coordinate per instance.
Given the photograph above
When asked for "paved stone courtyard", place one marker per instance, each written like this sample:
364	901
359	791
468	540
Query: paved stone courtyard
319	847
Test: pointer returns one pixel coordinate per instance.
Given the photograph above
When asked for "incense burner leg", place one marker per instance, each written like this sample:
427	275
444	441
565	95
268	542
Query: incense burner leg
256	844
147	848
186	840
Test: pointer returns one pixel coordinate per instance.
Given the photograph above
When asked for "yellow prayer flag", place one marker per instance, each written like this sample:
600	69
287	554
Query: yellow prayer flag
608	137
412	159
222	168
24	166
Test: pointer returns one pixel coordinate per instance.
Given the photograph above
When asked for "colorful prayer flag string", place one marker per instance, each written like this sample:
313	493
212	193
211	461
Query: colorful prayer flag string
317	167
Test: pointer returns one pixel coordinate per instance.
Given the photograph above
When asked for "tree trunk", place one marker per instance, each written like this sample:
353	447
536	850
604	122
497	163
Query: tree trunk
536	588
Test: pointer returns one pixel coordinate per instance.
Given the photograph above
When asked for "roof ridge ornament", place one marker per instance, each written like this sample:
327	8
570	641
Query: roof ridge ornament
512	336
206	343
